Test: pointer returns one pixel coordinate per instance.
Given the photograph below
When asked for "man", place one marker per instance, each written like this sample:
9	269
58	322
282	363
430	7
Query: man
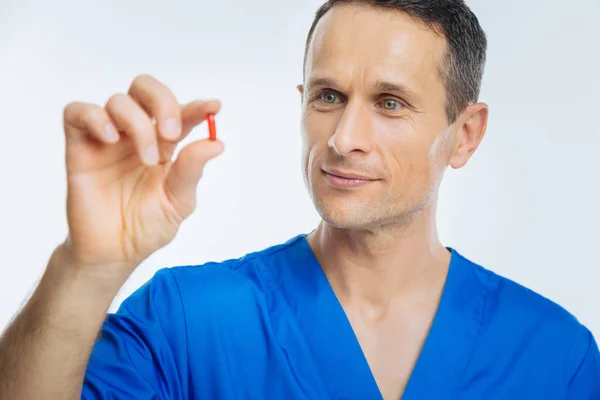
369	305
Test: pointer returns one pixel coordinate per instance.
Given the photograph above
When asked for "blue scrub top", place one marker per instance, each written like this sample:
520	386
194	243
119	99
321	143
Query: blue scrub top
269	326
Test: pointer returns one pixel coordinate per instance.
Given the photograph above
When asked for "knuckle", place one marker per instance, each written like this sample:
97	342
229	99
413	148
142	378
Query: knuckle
80	113
141	81
165	105
93	114
69	107
115	100
71	110
140	123
156	97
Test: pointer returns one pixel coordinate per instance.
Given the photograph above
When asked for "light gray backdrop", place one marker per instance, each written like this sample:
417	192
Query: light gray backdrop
526	206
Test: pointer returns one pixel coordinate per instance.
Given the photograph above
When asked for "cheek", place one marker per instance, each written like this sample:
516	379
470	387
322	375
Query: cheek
411	156
317	126
440	149
315	136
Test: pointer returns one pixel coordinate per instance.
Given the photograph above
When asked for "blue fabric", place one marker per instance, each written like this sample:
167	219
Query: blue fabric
269	326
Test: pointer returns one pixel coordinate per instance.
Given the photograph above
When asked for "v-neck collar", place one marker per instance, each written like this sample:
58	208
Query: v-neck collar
452	336
334	347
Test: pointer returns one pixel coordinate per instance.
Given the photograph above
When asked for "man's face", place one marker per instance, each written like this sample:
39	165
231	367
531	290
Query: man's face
373	107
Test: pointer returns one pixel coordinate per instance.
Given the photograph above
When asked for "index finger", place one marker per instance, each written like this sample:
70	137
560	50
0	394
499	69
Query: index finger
160	103
195	113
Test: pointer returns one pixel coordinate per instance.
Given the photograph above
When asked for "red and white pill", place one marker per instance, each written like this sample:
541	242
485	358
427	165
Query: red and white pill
212	129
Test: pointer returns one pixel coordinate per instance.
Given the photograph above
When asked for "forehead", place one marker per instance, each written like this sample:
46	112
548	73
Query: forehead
363	42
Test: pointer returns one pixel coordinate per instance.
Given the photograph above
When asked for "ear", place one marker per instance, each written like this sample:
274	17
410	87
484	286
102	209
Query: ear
471	127
301	91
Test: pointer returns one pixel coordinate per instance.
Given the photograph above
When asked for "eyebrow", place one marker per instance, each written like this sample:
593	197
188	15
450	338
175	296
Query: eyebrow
320	82
380	85
404	91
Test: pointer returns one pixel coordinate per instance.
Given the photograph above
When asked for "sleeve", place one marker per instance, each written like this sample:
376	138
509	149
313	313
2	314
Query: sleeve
141	350
585	384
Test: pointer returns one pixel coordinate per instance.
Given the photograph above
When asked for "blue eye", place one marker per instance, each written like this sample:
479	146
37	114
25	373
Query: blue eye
391	104
328	97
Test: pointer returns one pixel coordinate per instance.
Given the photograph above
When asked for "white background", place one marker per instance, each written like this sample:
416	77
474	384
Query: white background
526	206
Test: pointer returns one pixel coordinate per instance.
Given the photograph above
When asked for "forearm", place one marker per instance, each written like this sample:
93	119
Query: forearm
45	351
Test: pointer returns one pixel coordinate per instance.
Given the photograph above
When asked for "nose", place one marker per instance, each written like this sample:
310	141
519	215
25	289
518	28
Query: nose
353	132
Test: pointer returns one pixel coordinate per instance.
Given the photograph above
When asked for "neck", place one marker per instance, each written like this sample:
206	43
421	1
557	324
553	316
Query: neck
376	267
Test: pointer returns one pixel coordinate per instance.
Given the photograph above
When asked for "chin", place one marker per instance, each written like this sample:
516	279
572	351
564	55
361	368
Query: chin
364	213
344	214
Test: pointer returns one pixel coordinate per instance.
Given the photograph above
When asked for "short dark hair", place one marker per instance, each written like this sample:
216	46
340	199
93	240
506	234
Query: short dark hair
463	67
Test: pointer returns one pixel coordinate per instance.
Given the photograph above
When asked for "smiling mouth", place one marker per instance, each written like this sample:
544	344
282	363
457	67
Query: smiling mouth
346	180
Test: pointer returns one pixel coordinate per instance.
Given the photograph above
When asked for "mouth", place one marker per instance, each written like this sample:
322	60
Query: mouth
346	180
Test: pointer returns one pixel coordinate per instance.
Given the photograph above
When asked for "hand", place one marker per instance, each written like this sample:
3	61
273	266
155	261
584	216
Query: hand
126	198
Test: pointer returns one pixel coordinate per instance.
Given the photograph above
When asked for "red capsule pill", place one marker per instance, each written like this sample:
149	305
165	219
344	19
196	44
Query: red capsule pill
212	130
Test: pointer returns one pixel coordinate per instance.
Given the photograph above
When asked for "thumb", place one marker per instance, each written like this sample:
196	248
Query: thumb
186	171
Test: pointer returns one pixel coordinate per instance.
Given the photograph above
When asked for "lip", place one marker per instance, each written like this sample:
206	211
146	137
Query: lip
347	175
346	180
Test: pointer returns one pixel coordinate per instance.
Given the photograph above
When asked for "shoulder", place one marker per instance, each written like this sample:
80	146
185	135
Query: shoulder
525	306
233	275
520	318
224	285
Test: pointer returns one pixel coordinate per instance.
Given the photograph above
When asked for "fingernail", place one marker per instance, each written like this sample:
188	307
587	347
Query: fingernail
110	133
171	128
151	155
